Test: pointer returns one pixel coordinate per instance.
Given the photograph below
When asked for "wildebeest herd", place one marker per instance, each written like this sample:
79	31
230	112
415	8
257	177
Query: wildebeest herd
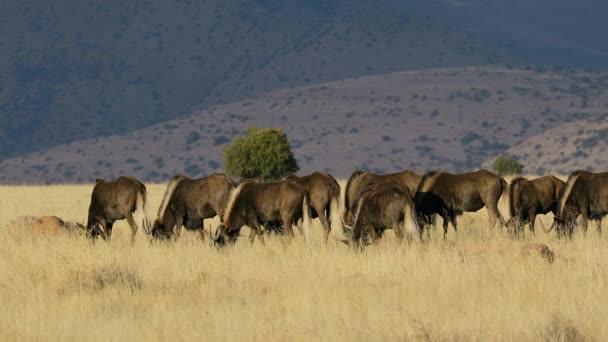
406	202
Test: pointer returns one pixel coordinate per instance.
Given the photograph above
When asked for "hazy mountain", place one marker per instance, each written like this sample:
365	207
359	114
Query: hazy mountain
72	70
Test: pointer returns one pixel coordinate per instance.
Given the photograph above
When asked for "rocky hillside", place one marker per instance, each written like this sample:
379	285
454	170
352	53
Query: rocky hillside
450	119
565	148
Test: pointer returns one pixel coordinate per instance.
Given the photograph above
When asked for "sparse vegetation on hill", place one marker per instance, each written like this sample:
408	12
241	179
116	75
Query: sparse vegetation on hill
505	165
383	123
565	148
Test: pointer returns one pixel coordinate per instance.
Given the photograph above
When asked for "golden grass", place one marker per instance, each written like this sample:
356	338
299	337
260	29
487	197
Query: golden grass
474	286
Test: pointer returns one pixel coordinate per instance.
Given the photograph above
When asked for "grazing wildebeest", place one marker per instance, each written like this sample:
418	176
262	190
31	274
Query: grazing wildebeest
116	200
189	202
586	195
387	205
359	181
254	204
449	195
528	198
324	194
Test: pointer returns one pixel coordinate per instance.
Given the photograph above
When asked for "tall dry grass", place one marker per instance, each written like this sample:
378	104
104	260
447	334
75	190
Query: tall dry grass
473	286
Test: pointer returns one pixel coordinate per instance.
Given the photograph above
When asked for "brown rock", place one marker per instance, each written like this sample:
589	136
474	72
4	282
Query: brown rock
539	250
54	226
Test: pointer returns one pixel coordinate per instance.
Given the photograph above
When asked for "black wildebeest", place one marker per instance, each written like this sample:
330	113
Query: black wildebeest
586	195
359	181
189	202
528	198
324	194
449	195
387	205
254	204
116	200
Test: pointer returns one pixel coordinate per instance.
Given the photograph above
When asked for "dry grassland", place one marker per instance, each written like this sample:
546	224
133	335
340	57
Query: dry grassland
474	286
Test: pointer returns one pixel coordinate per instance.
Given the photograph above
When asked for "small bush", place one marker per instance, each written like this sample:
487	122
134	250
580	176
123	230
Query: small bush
263	154
505	165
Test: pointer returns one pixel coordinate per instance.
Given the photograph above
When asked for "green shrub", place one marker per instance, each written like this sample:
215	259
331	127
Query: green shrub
263	154
505	165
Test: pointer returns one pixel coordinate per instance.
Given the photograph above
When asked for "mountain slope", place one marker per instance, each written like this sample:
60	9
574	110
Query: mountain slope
74	70
450	119
561	150
567	33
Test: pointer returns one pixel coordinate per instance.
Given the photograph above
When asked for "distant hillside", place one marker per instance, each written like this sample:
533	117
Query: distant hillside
72	70
563	32
450	119
565	148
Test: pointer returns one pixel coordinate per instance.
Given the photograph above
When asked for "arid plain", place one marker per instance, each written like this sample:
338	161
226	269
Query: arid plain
476	285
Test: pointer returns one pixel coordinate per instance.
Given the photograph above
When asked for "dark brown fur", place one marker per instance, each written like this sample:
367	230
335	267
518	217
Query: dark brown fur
359	181
387	205
586	195
324	193
115	200
254	204
528	198
189	202
449	195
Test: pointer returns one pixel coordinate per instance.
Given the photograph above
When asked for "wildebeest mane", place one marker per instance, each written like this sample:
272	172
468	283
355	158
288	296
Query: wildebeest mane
427	181
567	190
168	193
232	200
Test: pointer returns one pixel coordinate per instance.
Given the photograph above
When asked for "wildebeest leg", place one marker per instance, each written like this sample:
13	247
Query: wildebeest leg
177	226
599	226
104	230
300	225
452	217
399	228
532	218
109	226
494	215
446	222
201	232
288	225
133	226
373	234
256	229
585	223
324	222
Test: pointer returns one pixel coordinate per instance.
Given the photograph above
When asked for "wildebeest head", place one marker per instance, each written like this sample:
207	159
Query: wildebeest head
160	232
95	231
223	237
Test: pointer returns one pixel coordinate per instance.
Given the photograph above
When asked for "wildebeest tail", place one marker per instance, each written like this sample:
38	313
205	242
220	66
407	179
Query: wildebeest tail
140	215
356	228
505	186
354	176
409	218
334	213
307	223
514	195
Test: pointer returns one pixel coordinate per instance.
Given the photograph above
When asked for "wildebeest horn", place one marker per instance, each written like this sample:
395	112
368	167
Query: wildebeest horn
344	241
550	228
